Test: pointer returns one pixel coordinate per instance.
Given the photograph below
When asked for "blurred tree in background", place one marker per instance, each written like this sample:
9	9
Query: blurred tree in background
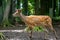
5	21
12	10
25	7
37	7
1	11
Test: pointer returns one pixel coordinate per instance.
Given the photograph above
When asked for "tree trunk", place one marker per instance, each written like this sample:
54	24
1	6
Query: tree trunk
54	7
37	8
18	4
25	7
1	12
5	21
12	10
44	7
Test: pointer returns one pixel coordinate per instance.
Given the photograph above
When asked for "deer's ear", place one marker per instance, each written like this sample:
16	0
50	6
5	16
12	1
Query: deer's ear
19	10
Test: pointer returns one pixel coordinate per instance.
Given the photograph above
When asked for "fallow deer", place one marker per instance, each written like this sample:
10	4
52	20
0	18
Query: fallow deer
35	20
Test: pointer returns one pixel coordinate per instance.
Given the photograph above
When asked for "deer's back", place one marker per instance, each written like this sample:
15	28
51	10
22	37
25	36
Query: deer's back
37	20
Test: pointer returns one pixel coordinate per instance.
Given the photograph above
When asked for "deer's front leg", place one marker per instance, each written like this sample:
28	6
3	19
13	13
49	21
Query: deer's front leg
30	33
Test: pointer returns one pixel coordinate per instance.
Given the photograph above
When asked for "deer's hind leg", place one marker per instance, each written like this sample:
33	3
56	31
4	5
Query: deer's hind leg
53	30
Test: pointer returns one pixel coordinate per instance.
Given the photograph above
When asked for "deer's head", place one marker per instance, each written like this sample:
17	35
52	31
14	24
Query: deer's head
17	13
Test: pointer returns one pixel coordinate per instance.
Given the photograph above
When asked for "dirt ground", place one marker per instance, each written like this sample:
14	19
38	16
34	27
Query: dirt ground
24	35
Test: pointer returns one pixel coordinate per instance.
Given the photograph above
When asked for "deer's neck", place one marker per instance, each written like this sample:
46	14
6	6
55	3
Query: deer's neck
23	17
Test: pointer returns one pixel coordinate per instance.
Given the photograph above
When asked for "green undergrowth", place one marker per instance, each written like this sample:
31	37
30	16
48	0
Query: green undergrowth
56	18
36	28
2	37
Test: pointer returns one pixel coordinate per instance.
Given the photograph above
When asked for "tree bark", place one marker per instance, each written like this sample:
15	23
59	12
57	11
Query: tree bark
44	7
5	21
12	10
37	8
25	7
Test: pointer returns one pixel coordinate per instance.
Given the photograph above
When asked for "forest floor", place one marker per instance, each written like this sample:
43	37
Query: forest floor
15	33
